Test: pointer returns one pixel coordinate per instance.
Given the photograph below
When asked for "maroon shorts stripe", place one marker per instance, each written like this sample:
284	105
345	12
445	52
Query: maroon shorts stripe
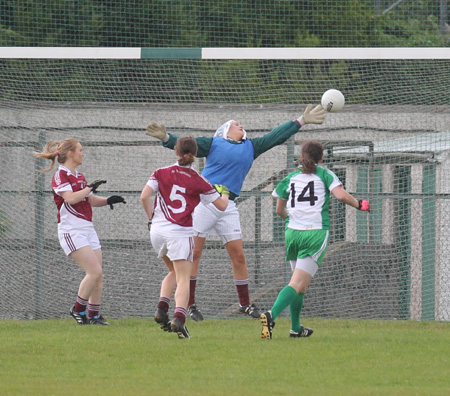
69	242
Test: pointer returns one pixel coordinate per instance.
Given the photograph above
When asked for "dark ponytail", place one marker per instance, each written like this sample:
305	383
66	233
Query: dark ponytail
186	148
312	153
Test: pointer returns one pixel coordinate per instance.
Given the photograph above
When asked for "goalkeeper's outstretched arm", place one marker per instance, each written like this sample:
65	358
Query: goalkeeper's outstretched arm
157	131
283	132
169	140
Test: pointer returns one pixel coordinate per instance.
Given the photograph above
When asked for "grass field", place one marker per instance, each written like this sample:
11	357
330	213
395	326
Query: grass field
224	357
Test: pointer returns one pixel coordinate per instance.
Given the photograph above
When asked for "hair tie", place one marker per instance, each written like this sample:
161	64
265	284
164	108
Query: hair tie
185	155
56	153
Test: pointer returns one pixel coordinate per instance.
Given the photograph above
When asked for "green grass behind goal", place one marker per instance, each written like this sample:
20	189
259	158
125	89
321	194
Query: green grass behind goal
224	357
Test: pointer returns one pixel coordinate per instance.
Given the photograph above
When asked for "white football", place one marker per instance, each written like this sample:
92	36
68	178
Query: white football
333	100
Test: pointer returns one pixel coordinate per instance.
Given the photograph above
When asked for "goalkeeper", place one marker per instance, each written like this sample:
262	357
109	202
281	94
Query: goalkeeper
229	157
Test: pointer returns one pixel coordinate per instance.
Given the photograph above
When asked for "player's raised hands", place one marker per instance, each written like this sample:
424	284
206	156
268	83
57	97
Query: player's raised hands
95	184
364	205
113	199
314	116
157	131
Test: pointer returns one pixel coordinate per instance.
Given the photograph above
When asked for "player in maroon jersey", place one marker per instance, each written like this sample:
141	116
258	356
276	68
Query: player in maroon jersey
74	199
179	190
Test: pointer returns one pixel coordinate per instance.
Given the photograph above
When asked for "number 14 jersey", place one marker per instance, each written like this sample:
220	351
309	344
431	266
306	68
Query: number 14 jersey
308	197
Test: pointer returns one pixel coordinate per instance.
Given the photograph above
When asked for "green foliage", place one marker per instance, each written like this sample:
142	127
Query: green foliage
10	38
391	32
133	356
227	23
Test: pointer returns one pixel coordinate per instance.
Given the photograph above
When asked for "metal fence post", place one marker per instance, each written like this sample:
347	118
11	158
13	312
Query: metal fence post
39	227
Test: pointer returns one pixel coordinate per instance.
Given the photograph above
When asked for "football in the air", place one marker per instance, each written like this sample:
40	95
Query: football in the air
333	100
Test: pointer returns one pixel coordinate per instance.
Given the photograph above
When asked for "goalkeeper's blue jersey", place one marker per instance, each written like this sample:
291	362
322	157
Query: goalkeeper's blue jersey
228	161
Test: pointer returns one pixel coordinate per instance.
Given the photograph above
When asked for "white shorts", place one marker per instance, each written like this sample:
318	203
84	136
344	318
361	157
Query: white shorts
74	240
176	248
306	264
207	219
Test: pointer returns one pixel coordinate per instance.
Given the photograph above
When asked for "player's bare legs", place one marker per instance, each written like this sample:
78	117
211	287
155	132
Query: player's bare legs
235	250
168	285
92	266
199	243
170	281
183	270
194	312
96	296
300	280
91	287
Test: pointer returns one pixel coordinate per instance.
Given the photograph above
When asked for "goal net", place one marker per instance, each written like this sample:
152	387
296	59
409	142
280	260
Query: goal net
390	144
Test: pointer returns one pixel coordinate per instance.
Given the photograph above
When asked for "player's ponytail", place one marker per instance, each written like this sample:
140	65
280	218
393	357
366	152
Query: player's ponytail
56	150
186	149
312	153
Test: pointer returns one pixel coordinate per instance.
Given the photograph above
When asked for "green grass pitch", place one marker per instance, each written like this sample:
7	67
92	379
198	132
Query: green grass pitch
224	357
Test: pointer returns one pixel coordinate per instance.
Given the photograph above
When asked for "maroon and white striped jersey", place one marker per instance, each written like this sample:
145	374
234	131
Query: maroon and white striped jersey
74	216
179	190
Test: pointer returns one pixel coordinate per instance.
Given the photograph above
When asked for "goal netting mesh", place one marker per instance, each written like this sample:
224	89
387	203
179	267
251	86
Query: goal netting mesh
389	145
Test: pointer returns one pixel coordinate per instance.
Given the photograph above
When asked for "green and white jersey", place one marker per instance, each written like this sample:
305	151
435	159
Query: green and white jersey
308	197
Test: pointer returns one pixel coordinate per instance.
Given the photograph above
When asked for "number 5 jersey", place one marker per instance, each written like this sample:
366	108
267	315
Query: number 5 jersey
179	190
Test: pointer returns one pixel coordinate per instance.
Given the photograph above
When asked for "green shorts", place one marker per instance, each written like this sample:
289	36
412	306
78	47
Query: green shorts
306	243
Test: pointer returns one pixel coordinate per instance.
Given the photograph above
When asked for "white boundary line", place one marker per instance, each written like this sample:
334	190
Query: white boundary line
326	53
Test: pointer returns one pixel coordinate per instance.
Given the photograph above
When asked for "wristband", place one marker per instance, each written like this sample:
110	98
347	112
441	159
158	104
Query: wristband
149	224
300	121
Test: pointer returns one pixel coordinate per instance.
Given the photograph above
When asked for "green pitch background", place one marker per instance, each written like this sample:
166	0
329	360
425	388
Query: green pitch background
224	357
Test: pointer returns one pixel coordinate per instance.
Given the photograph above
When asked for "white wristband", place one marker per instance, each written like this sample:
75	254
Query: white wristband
301	121
166	138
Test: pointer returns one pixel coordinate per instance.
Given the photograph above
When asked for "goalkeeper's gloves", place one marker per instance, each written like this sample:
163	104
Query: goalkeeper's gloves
113	199
314	116
221	189
157	131
95	184
364	205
